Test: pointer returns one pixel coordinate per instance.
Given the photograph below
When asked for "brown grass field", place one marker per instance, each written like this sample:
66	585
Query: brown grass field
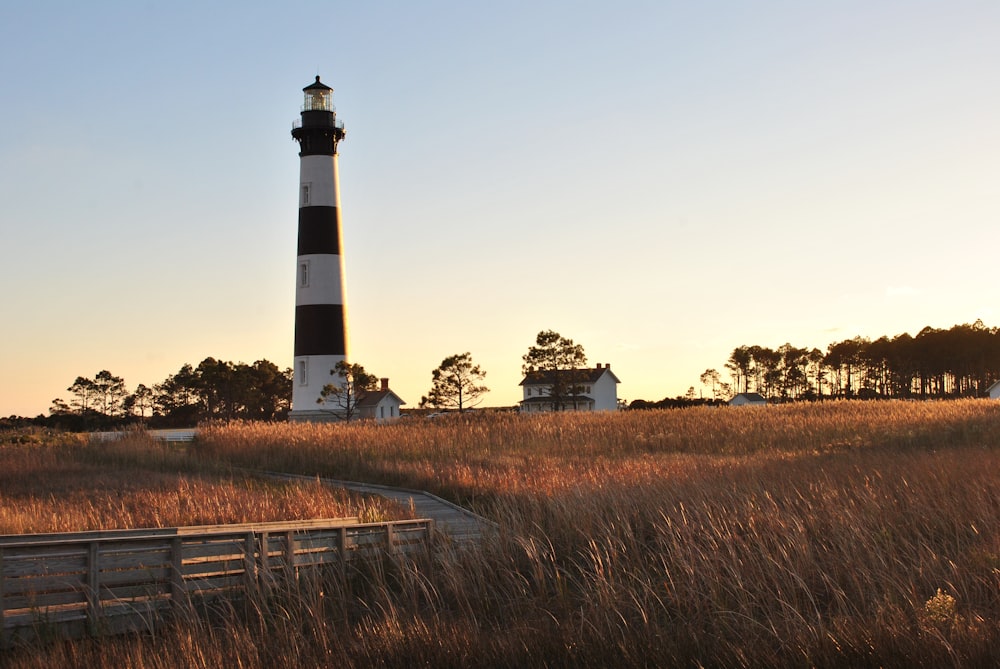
59	483
842	534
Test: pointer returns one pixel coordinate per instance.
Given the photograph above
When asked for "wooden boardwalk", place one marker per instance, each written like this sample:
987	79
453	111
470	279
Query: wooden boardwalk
73	584
461	525
116	580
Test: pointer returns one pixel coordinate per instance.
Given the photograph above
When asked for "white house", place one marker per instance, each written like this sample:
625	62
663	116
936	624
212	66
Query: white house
748	399
994	391
596	390
381	405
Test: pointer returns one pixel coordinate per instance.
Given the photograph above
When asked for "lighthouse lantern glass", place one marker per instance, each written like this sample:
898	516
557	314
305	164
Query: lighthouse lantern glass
318	101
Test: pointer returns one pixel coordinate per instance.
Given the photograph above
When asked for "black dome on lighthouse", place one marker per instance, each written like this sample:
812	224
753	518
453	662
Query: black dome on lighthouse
317	86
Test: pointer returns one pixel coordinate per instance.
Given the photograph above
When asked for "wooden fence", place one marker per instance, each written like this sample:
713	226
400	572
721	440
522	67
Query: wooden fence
70	584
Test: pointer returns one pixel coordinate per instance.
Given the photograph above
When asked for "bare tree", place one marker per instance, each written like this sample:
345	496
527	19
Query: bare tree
740	361
456	383
140	401
711	379
84	393
557	359
109	393
341	398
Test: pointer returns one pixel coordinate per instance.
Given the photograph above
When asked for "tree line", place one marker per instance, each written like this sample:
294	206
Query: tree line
215	389
962	361
223	390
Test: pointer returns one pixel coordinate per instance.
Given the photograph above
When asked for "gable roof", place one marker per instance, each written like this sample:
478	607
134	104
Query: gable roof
372	398
546	377
751	398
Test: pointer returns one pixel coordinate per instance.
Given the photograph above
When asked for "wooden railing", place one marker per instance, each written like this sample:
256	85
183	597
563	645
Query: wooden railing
72	584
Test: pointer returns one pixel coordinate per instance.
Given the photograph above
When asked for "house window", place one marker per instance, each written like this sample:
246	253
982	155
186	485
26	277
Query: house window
303	368
304	273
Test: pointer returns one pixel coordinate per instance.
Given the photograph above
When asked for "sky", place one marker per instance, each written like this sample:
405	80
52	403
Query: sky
659	181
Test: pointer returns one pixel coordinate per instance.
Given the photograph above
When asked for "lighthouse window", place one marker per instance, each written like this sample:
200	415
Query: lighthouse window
304	274
305	195
303	381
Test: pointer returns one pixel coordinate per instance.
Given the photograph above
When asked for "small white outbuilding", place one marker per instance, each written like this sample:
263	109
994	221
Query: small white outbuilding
382	405
748	399
994	391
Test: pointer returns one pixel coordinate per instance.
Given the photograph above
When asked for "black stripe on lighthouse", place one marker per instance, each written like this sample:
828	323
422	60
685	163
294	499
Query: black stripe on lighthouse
319	329
318	231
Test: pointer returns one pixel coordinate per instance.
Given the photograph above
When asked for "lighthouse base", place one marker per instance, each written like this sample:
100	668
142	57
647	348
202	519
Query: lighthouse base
314	416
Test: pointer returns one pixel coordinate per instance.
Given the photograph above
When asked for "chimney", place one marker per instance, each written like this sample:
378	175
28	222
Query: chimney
598	365
607	365
385	384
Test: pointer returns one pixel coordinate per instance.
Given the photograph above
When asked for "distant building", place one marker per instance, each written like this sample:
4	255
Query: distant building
748	399
994	391
381	405
596	390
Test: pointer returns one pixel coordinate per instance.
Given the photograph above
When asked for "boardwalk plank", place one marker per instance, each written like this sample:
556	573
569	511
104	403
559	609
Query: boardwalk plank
461	525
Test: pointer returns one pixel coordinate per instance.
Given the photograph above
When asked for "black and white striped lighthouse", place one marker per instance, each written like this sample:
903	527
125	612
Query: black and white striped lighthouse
320	314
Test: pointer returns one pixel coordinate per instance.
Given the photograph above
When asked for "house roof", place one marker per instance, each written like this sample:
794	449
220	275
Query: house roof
546	377
995	384
372	398
752	398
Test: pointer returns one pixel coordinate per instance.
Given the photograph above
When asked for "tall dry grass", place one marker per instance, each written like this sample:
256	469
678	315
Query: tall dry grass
836	535
502	454
70	485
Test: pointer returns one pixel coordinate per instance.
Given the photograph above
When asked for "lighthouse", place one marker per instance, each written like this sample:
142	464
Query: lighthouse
320	314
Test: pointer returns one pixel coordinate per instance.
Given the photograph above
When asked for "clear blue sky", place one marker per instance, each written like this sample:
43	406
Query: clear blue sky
659	181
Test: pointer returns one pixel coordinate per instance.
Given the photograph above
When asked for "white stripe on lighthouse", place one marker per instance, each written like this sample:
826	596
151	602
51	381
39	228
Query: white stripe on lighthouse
312	372
318	176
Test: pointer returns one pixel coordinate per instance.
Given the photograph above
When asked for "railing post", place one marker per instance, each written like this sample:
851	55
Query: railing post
390	537
290	553
342	551
3	605
93	588
178	590
265	559
250	560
